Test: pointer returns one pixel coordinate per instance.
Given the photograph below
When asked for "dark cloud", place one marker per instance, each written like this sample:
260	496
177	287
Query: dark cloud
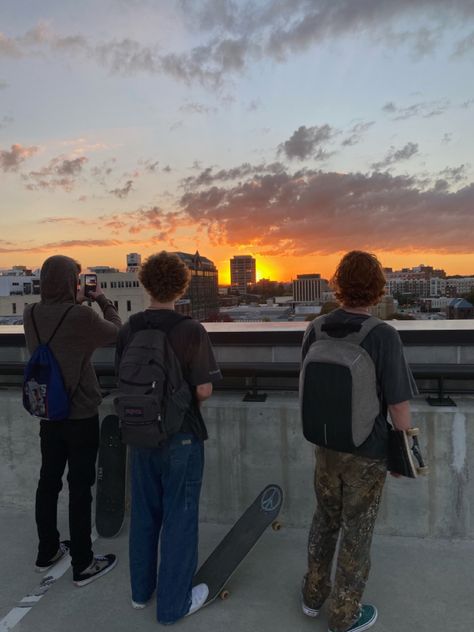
424	109
240	33
254	105
176	125
71	167
320	212
454	174
122	192
307	142
197	108
397	155
162	223
356	133
103	171
5	121
150	166
10	160
60	173
208	176
63	245
464	46
66	220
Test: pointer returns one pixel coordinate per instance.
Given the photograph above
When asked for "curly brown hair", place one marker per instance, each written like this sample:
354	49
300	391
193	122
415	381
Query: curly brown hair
165	276
359	280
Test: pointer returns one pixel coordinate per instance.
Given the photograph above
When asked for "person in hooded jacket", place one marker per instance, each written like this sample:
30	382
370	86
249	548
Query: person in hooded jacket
73	441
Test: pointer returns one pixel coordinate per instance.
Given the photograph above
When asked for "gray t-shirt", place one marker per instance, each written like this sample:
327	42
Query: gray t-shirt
193	349
395	382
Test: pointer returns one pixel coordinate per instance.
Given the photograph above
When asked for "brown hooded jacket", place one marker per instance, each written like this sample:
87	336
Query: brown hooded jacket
80	334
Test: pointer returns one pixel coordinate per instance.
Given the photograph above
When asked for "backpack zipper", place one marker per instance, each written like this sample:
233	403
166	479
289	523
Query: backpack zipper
152	384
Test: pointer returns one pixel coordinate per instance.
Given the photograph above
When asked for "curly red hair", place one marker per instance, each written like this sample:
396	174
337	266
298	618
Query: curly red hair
359	280
165	276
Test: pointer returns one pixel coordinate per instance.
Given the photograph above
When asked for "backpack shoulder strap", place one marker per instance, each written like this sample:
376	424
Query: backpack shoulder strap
366	327
60	323
318	324
33	320
167	323
34	323
138	322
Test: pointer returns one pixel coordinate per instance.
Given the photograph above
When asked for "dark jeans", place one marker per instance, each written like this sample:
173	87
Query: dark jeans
166	484
75	442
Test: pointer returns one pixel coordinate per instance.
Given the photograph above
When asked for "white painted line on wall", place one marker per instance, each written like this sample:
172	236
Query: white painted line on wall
458	438
17	613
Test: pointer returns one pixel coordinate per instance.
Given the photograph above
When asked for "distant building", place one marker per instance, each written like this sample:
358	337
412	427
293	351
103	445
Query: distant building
309	287
459	308
456	286
202	291
243	272
103	269
134	261
257	313
384	308
123	288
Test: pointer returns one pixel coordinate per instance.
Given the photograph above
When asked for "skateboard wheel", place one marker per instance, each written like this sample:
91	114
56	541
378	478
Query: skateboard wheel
413	432
423	471
225	594
276	526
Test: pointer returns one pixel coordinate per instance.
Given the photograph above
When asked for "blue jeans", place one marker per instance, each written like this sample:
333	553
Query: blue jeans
166	484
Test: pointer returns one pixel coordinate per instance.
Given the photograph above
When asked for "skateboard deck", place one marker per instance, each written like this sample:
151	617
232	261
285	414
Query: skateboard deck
405	459
237	543
110	496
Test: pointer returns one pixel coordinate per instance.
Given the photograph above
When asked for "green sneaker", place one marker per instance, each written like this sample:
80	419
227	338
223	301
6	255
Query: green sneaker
367	618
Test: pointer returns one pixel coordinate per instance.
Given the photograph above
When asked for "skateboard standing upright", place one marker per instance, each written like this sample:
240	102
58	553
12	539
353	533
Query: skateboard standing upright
110	496
229	553
405	459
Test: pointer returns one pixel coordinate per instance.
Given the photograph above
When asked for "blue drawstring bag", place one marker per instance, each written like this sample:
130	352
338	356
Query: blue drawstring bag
44	392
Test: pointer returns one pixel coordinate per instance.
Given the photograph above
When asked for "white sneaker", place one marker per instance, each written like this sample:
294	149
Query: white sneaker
309	612
199	595
139	605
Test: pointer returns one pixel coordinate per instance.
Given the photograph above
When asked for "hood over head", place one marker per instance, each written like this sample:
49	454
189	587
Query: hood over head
58	280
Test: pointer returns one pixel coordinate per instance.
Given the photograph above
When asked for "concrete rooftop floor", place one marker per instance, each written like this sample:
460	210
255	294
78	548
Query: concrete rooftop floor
416	584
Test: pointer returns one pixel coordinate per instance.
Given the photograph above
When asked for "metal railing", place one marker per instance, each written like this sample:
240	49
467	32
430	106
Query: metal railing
257	377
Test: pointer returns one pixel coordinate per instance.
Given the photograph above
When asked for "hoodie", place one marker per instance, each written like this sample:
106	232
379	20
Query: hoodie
79	335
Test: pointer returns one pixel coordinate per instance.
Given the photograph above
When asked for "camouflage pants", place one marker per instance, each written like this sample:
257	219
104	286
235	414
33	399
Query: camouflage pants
348	490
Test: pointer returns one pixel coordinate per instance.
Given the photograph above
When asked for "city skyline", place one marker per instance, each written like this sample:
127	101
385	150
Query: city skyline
290	131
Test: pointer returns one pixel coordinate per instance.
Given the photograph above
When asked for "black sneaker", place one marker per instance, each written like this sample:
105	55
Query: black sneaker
42	566
100	565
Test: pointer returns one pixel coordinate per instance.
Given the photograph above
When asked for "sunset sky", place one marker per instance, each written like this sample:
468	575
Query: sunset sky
292	130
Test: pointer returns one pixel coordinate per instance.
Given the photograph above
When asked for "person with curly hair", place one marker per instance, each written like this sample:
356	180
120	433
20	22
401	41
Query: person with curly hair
166	481
348	484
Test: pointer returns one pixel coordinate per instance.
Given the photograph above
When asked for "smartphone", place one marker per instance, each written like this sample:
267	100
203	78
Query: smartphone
90	284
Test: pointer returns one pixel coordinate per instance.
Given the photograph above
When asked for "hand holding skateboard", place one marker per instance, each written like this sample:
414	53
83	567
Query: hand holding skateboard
405	459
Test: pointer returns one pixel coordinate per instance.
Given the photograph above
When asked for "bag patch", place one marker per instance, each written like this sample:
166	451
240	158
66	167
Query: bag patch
153	397
338	389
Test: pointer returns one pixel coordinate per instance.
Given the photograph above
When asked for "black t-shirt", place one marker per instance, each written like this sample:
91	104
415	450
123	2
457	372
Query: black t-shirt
193	349
395	382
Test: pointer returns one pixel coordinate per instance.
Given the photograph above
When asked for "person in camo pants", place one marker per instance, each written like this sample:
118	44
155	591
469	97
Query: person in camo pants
349	485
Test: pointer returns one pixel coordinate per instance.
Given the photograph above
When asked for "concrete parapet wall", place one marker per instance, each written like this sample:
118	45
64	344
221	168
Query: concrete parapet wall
253	444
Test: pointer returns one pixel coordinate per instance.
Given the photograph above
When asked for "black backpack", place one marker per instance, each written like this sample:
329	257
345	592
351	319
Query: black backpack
153	397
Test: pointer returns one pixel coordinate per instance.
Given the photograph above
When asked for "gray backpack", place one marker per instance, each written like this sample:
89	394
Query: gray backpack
338	388
153	397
